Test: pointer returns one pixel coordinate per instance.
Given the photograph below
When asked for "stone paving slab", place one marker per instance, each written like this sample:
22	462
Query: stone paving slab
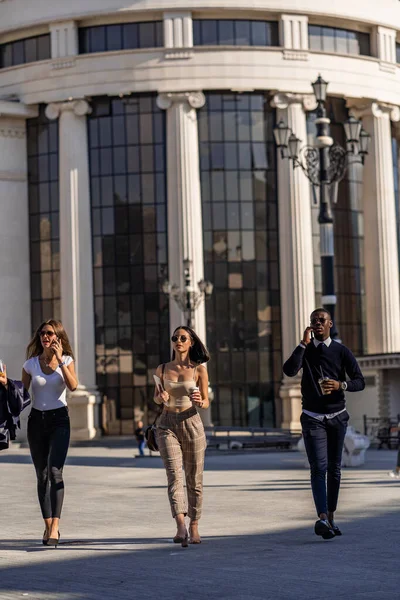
258	540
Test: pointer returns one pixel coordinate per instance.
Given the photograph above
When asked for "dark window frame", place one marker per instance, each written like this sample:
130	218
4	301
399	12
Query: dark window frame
125	33
42	44
201	26
363	38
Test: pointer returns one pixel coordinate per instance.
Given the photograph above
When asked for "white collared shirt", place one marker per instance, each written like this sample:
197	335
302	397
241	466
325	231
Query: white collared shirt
321	416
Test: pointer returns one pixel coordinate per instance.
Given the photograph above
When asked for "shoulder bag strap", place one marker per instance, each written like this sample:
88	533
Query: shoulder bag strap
161	407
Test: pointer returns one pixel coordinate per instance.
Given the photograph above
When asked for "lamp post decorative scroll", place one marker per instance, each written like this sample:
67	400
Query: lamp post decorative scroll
189	298
325	164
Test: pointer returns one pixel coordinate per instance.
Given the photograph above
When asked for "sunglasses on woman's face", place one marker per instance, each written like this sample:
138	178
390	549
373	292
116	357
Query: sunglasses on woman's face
175	338
46	332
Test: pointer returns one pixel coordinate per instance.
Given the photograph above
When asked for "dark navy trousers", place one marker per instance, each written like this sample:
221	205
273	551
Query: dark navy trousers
324	442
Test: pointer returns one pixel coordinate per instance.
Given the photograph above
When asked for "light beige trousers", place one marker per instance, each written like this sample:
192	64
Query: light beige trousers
182	444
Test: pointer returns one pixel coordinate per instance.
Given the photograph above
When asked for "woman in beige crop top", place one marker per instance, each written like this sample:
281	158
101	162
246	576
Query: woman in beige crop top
180	433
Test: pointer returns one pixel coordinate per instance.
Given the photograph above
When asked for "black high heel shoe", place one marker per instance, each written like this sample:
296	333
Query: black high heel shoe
53	541
45	540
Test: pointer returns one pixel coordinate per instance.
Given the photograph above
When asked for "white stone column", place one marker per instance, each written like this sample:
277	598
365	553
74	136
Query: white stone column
185	230
64	44
76	266
15	297
178	35
384	47
380	236
295	251
64	39
293	36
15	306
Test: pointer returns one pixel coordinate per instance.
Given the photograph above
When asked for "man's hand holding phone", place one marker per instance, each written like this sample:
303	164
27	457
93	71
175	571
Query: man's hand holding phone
307	336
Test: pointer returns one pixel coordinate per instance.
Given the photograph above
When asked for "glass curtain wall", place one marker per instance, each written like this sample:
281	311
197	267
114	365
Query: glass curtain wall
42	142
129	228
349	240
240	223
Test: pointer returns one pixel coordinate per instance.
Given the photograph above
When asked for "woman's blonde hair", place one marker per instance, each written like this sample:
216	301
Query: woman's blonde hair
35	347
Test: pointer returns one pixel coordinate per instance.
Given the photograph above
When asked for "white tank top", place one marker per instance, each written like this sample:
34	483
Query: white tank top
49	391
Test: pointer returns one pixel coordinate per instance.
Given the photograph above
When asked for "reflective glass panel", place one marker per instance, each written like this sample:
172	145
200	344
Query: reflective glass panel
236	32
42	144
126	36
131	314
236	260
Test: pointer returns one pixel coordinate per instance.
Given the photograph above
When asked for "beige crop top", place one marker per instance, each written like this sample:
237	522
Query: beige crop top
179	392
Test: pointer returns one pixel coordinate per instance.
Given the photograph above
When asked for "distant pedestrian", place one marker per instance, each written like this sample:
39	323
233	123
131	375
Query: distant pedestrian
396	471
325	363
139	435
180	432
50	369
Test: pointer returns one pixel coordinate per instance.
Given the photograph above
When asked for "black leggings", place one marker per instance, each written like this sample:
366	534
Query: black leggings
48	437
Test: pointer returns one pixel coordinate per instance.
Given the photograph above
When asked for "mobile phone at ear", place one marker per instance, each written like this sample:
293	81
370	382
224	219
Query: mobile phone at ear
312	334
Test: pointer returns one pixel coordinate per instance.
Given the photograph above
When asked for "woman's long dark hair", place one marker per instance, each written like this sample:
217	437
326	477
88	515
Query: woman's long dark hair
198	353
35	347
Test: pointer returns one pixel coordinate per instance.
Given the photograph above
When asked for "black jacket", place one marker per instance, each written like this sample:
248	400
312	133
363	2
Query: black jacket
13	401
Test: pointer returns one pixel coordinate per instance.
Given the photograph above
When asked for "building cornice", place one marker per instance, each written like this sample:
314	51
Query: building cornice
282	100
17	110
194	99
79	107
362	107
12	132
379	361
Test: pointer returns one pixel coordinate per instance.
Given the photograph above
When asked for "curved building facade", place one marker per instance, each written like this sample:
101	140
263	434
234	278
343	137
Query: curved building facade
136	136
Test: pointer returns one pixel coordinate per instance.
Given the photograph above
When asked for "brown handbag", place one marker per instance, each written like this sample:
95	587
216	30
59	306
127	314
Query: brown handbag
150	432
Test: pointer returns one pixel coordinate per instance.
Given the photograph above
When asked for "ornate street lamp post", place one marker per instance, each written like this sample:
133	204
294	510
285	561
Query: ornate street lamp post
325	164
189	298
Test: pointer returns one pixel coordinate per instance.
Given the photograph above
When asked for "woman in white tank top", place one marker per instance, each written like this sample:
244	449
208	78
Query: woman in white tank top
49	370
180	433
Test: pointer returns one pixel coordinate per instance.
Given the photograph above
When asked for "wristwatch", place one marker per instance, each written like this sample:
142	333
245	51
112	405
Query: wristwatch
343	385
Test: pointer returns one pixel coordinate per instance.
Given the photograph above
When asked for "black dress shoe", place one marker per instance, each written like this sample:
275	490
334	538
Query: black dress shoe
335	528
324	529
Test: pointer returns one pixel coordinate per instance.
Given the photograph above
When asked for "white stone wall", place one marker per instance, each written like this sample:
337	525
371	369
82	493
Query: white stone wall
23	13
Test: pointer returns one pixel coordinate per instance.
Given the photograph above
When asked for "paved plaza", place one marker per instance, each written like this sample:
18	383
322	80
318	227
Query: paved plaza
258	540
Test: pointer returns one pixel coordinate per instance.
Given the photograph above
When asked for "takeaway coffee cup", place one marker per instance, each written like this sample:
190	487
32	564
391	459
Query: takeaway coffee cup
321	382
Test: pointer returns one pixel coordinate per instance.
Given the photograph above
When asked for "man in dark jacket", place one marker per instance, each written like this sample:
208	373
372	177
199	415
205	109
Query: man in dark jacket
324	419
13	400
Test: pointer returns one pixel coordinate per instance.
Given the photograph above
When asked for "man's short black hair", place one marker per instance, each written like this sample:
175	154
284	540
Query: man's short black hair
321	310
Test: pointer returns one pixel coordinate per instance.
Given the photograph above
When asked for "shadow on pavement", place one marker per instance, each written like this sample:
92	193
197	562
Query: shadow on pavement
266	461
292	564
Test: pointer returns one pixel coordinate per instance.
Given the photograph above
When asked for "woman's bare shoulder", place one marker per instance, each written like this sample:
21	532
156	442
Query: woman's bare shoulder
160	368
202	371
